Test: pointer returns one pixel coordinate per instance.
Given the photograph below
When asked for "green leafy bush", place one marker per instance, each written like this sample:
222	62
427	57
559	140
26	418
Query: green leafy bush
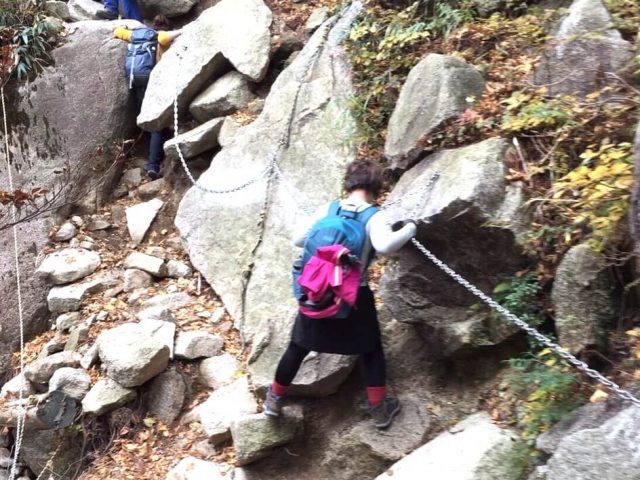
548	392
521	296
23	38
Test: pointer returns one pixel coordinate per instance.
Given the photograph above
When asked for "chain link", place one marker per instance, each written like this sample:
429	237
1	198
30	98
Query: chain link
542	339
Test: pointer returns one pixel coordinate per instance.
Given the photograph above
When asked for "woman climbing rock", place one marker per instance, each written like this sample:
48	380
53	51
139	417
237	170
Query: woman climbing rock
337	310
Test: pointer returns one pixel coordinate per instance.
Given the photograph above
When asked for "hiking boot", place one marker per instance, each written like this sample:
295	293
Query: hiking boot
384	412
105	14
151	172
272	404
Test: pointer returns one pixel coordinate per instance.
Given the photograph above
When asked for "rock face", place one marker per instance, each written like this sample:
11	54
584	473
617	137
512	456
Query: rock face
170	8
452	218
254	436
226	95
582	299
42	143
235	30
437	89
474	449
608	451
196	141
68	265
585	46
130	355
248	263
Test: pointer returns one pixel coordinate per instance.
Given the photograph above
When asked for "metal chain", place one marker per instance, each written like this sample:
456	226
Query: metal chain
557	349
23	411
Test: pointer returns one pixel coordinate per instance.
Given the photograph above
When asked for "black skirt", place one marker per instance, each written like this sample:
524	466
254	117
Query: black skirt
355	335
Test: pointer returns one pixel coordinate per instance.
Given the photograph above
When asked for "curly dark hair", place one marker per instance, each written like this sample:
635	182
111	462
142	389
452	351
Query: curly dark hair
363	174
160	22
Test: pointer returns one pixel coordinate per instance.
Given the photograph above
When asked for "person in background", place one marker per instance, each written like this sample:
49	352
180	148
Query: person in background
130	9
359	333
144	42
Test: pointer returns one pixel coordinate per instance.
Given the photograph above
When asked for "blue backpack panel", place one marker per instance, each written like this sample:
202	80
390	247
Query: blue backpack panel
141	56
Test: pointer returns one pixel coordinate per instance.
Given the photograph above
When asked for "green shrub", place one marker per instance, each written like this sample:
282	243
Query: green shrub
23	38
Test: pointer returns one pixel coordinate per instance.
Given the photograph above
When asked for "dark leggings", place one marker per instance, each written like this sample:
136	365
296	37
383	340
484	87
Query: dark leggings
374	366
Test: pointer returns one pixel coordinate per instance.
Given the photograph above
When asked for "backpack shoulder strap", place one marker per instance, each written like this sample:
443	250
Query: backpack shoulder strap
365	215
334	208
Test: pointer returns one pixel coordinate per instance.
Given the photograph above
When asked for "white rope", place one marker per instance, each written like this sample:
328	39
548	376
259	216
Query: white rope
23	411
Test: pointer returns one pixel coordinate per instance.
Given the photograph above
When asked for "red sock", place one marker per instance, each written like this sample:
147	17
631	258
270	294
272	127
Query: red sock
376	395
279	389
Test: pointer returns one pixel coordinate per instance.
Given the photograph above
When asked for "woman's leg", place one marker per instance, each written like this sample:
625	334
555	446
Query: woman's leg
285	373
288	367
375	373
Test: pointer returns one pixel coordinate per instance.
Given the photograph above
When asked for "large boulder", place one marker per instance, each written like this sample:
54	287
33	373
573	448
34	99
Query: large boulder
68	150
169	8
40	371
364	452
166	395
585	48
106	395
474	449
226	95
233	30
470	218
224	406
255	436
582	298
437	89
248	261
196	141
608	451
68	265
131	354
52	453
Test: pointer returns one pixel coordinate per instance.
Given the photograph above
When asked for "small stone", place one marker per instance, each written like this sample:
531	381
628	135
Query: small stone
152	189
68	265
191	468
172	288
69	298
74	243
216	372
40	371
255	436
120	191
134	278
78	335
217	315
224	96
98	223
132	178
316	19
174	242
171	300
197	344
140	216
65	321
91	319
102	315
131	354
55	345
90	357
166	396
17	383
66	232
204	314
150	264
118	213
77	221
222	407
74	382
157	252
156	313
87	245
228	131
106	395
176	269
